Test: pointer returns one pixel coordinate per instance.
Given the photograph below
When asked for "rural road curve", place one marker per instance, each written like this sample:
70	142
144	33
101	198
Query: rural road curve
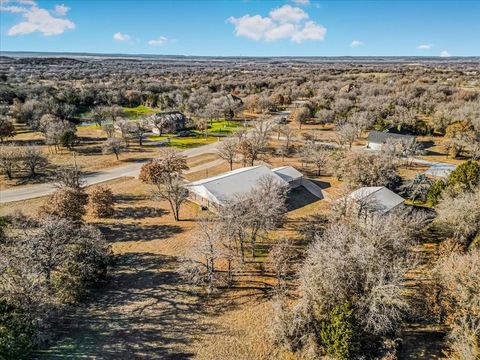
131	170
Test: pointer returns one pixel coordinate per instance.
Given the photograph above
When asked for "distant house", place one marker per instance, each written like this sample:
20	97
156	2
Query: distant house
442	170
376	139
177	120
374	199
214	192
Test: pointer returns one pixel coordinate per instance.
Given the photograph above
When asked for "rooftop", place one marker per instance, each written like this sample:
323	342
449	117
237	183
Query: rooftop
382	136
376	198
440	170
226	186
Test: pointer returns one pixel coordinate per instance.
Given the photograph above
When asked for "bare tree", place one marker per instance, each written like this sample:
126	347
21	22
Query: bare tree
288	133
347	134
33	159
127	129
200	267
10	159
113	146
7	129
458	276
165	173
255	142
459	214
316	155
251	215
139	129
358	169
227	150
363	264
300	115
109	130
280	256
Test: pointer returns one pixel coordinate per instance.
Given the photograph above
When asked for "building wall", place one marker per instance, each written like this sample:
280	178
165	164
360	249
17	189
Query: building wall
374	146
295	183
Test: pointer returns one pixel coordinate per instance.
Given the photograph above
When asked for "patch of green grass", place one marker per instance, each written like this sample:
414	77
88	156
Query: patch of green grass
223	127
158	137
184	143
91	126
134	113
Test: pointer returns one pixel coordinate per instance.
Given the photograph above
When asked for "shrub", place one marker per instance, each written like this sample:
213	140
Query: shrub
338	334
16	332
66	203
101	202
435	191
466	175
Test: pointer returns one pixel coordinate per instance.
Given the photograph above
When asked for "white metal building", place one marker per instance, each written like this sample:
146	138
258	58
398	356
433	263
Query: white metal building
215	191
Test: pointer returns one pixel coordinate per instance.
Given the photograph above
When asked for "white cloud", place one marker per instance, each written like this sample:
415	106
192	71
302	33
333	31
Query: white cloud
311	31
253	27
37	19
61	9
288	14
13	9
118	36
424	47
286	22
356	43
301	2
159	41
445	53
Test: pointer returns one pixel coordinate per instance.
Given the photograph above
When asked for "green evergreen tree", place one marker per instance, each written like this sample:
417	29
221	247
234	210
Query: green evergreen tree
338	334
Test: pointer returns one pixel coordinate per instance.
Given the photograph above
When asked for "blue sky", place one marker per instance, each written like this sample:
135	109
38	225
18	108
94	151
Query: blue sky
248	28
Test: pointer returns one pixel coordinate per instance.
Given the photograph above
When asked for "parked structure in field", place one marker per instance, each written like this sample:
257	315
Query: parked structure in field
174	120
442	170
376	199
377	139
216	191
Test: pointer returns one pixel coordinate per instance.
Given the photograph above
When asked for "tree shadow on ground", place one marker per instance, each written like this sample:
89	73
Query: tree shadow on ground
118	232
141	212
143	313
123	198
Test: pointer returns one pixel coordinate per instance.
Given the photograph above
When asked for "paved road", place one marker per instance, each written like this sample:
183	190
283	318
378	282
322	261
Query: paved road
132	170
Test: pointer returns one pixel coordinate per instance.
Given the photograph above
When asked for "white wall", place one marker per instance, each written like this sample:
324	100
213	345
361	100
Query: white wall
375	146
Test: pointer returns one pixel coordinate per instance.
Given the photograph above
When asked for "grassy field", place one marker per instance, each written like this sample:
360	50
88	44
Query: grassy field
223	126
136	112
184	143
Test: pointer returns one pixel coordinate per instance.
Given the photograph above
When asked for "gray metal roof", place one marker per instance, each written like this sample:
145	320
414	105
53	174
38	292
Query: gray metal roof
440	170
288	173
226	186
380	137
376	198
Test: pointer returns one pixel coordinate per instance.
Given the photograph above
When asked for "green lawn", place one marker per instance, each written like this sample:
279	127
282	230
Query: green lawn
223	127
134	113
158	137
191	142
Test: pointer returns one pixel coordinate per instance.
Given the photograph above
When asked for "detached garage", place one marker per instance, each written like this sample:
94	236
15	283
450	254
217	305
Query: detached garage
376	139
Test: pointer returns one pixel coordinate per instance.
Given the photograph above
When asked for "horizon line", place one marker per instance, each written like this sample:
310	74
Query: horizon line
86	53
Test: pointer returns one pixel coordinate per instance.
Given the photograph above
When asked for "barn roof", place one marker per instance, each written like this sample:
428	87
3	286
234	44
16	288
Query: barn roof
440	170
226	186
376	198
381	137
288	173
